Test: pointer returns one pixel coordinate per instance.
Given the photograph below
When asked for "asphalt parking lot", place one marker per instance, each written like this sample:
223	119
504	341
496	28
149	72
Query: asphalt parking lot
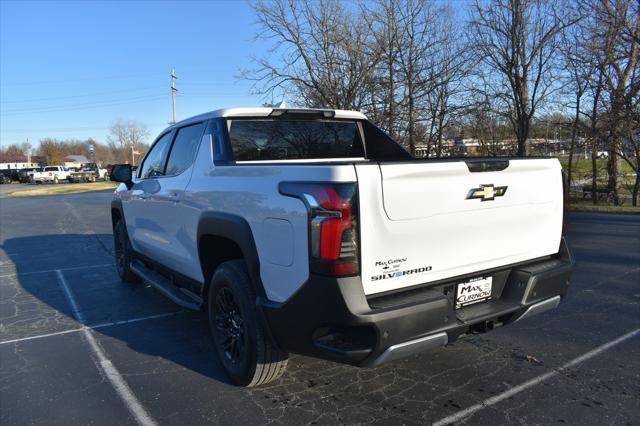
77	346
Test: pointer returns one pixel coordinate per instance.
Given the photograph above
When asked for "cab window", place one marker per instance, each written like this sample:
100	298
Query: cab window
184	149
154	162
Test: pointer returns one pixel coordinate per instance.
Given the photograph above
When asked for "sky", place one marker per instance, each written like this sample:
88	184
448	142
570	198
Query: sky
68	70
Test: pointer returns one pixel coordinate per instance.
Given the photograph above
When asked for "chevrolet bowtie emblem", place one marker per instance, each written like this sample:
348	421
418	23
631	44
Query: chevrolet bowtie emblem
486	192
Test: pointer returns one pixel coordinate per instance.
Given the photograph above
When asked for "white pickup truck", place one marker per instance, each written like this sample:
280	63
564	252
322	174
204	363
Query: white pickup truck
53	174
90	172
312	232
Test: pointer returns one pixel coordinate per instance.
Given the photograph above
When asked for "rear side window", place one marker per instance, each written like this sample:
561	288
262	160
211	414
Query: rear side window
51	169
154	162
184	149
254	140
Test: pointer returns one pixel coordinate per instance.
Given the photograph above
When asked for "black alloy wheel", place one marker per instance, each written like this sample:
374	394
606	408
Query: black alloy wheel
232	333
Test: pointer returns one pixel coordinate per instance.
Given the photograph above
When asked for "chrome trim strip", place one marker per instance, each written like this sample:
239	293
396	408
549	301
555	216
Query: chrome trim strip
412	347
540	307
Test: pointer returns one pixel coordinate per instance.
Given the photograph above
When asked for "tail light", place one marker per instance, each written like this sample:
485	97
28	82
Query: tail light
565	203
333	230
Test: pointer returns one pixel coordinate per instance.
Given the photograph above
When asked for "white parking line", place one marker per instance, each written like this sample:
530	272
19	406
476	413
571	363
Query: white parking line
114	376
40	336
460	415
55	270
129	321
94	327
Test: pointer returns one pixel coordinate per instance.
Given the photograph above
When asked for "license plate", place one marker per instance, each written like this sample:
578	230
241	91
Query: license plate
473	291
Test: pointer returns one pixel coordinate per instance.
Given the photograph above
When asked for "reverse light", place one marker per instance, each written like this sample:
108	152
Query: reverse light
333	231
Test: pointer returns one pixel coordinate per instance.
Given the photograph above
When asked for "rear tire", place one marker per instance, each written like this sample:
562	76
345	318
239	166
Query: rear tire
124	253
242	343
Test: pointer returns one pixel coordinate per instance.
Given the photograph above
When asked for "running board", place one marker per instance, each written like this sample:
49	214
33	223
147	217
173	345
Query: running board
178	295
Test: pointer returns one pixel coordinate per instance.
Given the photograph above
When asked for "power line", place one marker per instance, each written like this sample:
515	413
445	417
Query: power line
73	107
80	96
67	129
113	77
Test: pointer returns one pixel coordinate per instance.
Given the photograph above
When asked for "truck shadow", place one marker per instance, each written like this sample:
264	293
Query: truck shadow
86	263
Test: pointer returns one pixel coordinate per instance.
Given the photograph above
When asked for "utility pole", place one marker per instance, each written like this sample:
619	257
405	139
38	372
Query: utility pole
173	93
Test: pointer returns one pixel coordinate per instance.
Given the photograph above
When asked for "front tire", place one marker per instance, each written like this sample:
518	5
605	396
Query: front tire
242	343
124	253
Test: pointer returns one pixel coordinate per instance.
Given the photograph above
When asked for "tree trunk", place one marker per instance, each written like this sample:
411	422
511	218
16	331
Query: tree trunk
412	120
391	98
594	172
612	171
523	135
636	189
574	134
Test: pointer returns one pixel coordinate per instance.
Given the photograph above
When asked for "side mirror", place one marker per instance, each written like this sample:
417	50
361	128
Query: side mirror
122	173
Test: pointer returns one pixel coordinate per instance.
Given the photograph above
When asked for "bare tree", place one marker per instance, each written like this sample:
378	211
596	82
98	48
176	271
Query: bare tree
418	71
517	40
622	18
384	86
449	66
26	148
580	66
321	61
52	151
630	150
619	22
127	134
13	150
609	46
415	43
484	121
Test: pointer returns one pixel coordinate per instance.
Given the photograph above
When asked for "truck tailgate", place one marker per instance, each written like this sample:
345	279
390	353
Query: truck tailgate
426	221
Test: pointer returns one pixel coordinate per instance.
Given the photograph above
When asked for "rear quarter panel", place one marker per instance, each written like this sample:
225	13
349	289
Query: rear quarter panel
278	223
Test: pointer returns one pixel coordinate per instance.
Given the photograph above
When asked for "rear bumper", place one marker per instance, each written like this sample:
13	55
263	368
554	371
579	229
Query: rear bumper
332	318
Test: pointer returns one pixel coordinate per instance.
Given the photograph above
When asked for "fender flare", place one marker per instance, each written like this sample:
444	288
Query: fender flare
116	204
236	229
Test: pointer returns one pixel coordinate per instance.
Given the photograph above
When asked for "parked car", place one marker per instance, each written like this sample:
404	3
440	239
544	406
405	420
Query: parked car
313	232
24	174
54	174
90	172
10	175
5	176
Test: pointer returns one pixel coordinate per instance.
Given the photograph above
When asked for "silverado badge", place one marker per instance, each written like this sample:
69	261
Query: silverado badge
486	192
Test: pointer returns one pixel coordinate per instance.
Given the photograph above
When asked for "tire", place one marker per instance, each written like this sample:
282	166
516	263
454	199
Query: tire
242	343
124	253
